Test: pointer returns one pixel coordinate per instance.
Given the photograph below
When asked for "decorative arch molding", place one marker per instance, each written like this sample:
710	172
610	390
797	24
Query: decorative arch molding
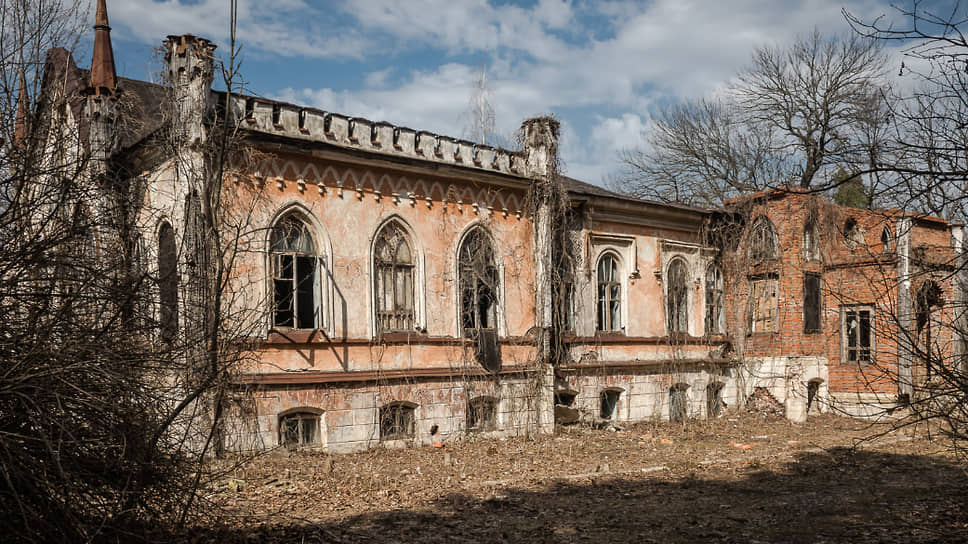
360	180
419	276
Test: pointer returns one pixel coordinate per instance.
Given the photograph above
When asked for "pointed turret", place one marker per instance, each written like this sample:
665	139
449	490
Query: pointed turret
20	125
103	77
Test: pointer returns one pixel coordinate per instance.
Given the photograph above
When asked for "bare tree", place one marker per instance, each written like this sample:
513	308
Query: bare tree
790	117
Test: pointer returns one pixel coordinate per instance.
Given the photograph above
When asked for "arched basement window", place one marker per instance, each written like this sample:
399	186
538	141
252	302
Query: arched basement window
397	421
678	402
481	414
478	282
609	401
167	283
609	295
677	298
714	300
298	429
714	399
295	276
393	265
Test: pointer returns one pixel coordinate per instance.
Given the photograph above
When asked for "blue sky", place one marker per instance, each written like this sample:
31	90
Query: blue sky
601	67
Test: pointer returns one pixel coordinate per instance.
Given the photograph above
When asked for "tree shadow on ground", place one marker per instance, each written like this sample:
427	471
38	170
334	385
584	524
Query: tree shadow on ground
842	495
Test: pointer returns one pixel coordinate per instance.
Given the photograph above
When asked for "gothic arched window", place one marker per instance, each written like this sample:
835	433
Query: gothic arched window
295	264
478	282
393	267
763	242
677	298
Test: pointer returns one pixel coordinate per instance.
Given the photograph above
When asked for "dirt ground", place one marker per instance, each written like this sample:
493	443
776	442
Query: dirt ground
736	479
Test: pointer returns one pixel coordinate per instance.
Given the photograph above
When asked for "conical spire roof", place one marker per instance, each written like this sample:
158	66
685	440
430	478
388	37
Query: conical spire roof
103	77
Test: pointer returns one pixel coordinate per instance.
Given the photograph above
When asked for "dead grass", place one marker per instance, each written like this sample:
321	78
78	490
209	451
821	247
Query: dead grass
743	478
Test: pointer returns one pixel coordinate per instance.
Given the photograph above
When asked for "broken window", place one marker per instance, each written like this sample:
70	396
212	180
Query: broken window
813	389
763	242
482	414
609	295
763	309
886	240
677	298
609	401
397	421
295	276
811	241
714	399
857	333
565	397
478	282
298	429
167	283
678	402
853	235
714	300
393	265
812	303
927	301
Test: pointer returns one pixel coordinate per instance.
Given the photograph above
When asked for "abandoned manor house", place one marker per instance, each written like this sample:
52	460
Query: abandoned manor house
397	287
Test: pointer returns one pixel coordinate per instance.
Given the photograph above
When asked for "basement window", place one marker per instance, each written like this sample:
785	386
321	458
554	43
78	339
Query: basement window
609	401
299	429
565	398
714	399
482	414
678	402
397	421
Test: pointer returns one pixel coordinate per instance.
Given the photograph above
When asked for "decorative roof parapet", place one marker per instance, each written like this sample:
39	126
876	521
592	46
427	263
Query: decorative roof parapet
309	124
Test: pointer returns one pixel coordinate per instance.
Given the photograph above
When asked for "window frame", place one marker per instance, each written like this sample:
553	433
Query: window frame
604	322
609	397
810	243
761	232
752	303
302	417
275	265
476	407
677	298
407	409
398	230
714	295
491	275
845	348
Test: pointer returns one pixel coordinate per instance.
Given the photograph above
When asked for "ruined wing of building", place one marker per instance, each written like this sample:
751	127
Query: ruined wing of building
410	288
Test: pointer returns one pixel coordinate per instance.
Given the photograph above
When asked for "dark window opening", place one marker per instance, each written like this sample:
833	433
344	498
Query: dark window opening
565	398
478	283
763	242
678	403
394	289
397	421
276	114
714	301
714	399
167	283
249	108
609	401
677	298
299	429
813	389
609	316
482	415
928	300
302	119
295	276
857	334
812	303
886	240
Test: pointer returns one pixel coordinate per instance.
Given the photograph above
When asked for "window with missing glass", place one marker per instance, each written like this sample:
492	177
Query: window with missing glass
397	421
478	282
481	414
714	322
299	429
857	333
812	303
677	298
295	265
